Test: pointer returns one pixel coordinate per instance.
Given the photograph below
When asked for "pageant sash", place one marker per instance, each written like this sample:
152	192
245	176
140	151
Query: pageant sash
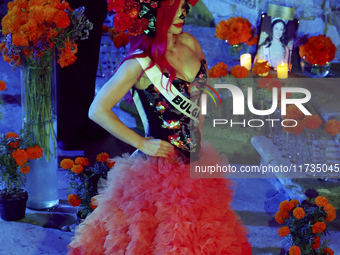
180	102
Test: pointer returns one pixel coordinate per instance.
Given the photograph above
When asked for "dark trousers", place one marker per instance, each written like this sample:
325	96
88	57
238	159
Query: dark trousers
76	83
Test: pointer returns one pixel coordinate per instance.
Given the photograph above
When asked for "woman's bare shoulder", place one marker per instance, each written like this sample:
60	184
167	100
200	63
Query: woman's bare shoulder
190	41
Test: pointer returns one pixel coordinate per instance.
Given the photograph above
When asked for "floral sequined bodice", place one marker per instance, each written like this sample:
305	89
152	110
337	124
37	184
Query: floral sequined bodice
168	123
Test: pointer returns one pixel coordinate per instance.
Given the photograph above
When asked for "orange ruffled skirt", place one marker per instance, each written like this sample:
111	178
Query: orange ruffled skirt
152	206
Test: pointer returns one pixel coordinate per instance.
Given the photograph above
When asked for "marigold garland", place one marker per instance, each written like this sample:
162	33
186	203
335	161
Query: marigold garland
74	200
318	227
239	72
332	127
2	85
66	163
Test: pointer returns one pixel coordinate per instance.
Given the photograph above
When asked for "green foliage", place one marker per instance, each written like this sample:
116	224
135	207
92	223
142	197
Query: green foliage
11	178
85	185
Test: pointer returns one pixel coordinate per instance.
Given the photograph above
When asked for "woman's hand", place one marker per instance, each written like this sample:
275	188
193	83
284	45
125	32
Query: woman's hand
156	147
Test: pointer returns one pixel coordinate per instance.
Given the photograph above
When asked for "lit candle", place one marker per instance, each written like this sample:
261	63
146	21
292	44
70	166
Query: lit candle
263	74
282	71
245	60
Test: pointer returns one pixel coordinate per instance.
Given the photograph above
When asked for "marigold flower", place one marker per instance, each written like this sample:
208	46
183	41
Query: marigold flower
102	157
294	250
82	161
293	112
295	202
280	217
93	203
283	231
299	213
286	206
235	30
328	251
312	121
35	152
73	200
331	213
67	54
122	21
77	169
321	201
318	50
2	85
239	72
25	169
66	163
11	135
261	67
318	227
221	69
121	40
110	163
20	156
316	242
105	29
332	127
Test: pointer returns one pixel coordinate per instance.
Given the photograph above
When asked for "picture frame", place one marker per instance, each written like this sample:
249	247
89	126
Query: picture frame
276	40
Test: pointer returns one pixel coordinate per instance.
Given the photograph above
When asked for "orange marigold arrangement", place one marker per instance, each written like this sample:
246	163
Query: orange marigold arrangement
84	180
236	30
261	67
318	50
305	224
15	153
33	28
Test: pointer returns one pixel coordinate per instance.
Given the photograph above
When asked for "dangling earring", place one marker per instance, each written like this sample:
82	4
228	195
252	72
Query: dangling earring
182	16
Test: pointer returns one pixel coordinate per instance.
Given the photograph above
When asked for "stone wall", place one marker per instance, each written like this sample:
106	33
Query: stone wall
316	17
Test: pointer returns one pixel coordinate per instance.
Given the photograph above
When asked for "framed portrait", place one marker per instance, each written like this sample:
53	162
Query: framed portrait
276	39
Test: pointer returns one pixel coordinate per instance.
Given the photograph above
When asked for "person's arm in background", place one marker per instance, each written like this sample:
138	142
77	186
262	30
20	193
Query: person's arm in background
112	92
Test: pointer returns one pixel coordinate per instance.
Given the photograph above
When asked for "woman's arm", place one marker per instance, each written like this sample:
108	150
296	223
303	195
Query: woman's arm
195	46
111	93
287	53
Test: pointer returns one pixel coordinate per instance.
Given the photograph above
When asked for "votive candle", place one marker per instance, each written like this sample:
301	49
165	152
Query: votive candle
245	60
282	71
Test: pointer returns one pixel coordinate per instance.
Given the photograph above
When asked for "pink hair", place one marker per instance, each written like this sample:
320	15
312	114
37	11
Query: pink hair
155	48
